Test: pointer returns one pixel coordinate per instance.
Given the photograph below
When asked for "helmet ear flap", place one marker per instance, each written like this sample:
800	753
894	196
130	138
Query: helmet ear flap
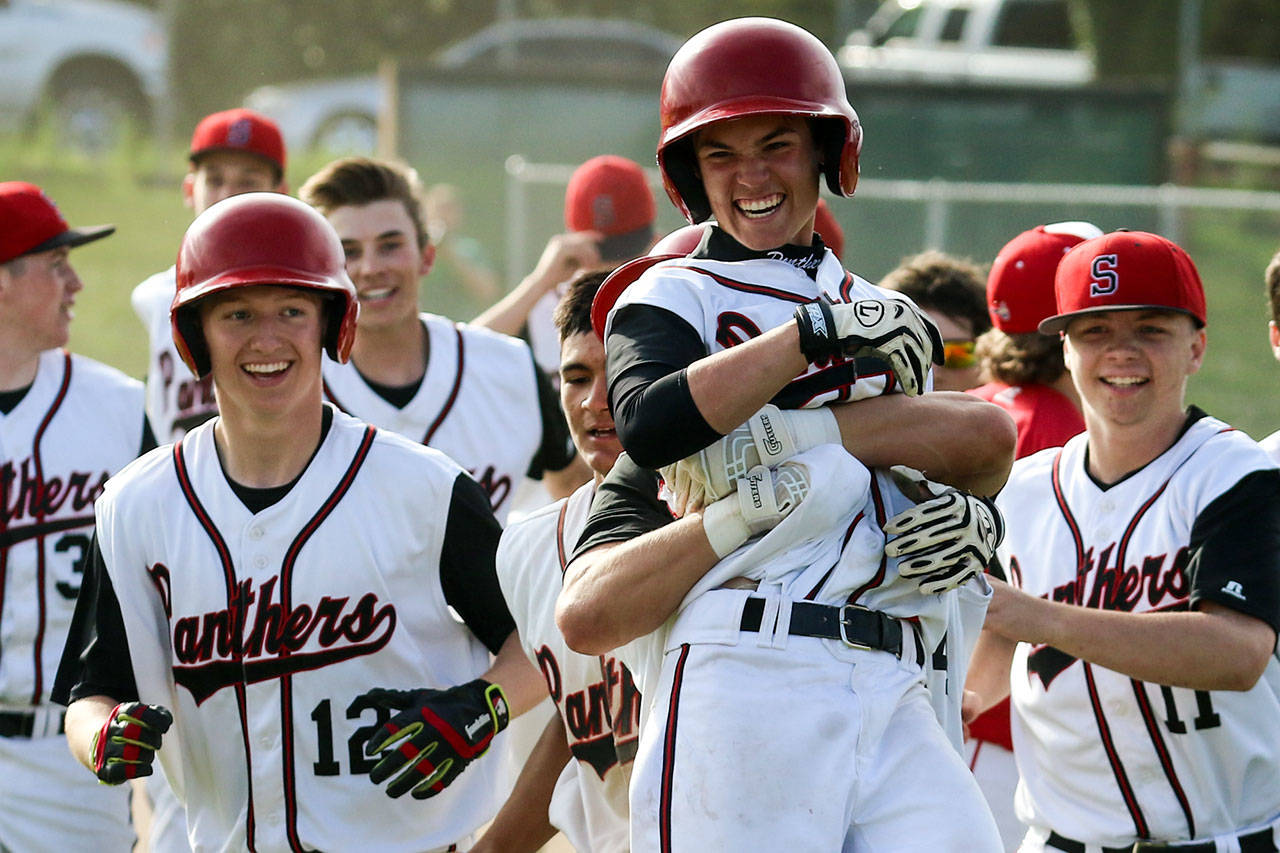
683	182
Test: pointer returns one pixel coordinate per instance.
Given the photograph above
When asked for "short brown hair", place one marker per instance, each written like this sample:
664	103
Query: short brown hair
573	312
354	181
1272	278
1025	359
936	281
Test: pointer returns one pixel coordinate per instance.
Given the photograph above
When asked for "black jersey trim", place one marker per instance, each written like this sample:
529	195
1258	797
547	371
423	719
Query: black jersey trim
666	793
848	534
37	689
286	601
560	549
745	287
453	392
1108	745
1152	725
878	501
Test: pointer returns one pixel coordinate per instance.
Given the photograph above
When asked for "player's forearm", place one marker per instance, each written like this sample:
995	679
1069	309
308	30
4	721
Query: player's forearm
85	718
519	679
1213	648
522	825
509	314
988	676
732	385
623	590
950	437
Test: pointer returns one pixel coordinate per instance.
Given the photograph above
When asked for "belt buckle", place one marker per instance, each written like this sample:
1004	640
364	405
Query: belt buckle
844	635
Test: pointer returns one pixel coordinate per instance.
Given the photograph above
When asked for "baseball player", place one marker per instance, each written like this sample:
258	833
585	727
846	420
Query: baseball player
1272	281
593	737
949	290
1138	638
267	607
1031	383
472	393
792	652
609	216
67	423
233	151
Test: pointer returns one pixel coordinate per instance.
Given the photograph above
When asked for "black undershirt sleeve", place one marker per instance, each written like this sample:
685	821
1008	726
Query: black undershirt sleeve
149	442
626	505
1235	549
556	450
647	351
467	573
95	660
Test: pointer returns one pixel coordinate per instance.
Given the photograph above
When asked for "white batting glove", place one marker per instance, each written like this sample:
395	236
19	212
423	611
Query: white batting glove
763	498
891	329
769	437
947	538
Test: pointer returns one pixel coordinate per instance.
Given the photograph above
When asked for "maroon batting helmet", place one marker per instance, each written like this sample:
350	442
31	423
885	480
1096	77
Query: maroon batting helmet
260	238
753	66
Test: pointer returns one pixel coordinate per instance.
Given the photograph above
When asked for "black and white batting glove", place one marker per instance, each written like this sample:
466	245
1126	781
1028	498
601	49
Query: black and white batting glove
435	735
769	437
890	329
947	538
761	500
125	746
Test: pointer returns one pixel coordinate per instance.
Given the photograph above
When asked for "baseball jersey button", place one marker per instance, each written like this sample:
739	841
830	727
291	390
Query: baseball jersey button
255	532
260	561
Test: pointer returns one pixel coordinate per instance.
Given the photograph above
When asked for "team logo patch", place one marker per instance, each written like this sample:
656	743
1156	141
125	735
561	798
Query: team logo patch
1104	278
239	132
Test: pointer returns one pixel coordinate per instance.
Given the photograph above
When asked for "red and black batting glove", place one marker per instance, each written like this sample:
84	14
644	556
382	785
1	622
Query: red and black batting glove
435	735
125	746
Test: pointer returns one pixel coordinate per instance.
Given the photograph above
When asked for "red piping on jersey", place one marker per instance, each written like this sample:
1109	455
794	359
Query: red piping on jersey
669	753
884	561
453	392
746	287
286	602
848	534
1162	751
38	688
560	554
233	607
1117	767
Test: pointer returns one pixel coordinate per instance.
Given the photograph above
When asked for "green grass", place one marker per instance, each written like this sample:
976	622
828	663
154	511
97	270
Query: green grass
139	191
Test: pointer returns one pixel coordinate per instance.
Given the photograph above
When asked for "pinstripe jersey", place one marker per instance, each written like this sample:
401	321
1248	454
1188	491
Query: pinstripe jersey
1105	758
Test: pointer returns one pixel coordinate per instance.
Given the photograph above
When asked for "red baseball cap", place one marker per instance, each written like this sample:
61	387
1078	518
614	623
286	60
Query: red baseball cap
1125	271
1020	284
239	130
824	222
611	194
30	222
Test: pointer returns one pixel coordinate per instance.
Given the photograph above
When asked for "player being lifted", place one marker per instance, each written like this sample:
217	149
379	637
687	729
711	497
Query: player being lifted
285	577
781	718
1145	558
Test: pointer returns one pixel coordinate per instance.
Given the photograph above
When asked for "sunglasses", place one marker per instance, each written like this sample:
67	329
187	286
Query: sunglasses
959	354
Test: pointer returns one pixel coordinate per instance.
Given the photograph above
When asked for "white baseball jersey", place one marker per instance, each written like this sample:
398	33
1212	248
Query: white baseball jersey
1105	758
263	631
77	424
595	695
478	403
176	400
761	740
1271	444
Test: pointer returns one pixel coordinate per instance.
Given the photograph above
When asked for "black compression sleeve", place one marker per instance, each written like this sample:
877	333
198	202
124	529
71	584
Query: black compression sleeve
626	505
95	660
647	351
467	573
556	450
1235	549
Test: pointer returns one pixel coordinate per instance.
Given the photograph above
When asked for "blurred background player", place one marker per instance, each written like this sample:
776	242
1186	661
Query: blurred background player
609	216
463	279
1272	281
472	393
949	290
67	423
232	152
1138	637
576	778
378	549
1029	380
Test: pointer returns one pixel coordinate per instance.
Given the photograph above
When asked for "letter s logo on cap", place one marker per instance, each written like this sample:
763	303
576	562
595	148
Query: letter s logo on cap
1104	279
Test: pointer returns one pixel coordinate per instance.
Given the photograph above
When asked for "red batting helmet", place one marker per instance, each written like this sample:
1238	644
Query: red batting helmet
753	66
260	238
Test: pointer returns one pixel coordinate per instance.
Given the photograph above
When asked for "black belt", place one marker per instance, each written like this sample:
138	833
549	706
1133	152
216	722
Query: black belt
1261	841
21	724
852	625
